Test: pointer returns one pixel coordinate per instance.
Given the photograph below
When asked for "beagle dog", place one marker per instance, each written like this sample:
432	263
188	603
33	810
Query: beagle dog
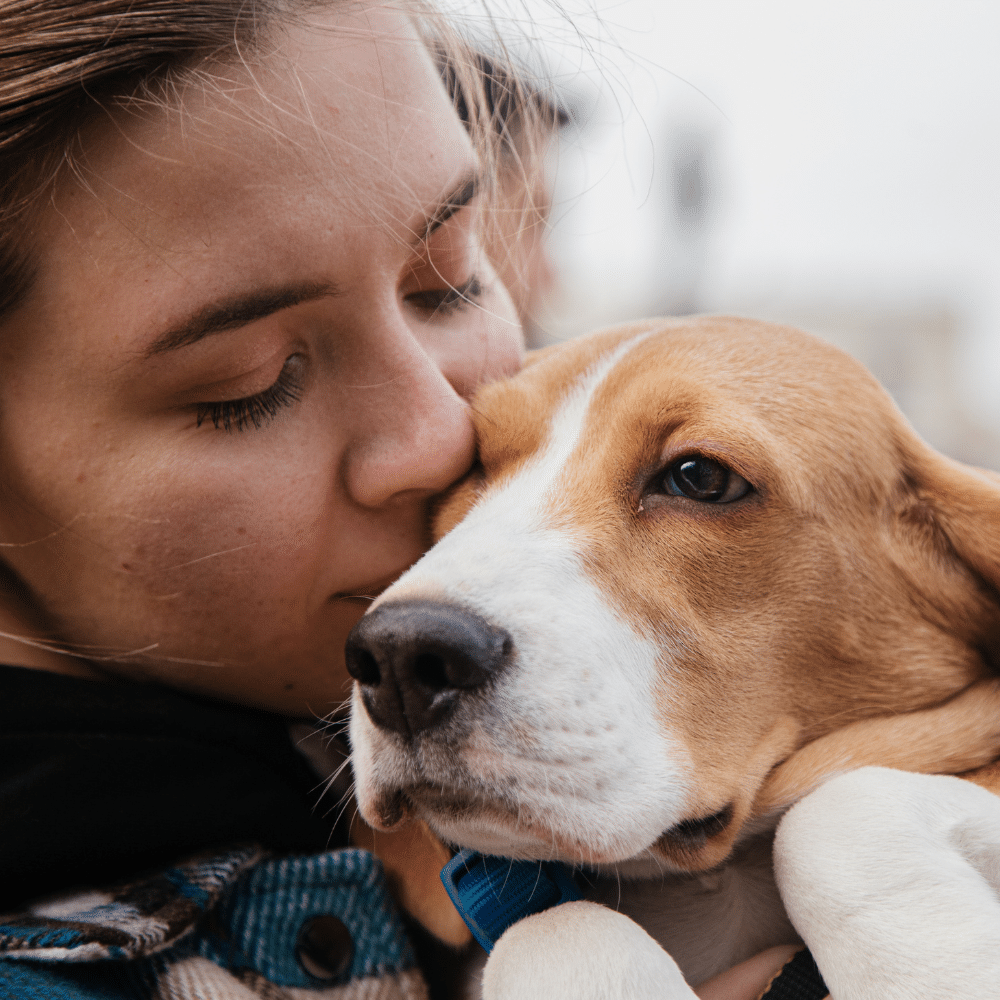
703	568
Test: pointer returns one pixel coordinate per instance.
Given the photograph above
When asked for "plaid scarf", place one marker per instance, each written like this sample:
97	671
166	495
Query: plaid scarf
234	926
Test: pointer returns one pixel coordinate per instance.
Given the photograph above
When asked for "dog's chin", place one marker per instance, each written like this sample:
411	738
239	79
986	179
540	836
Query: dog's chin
492	828
507	829
501	829
687	848
692	845
491	825
502	841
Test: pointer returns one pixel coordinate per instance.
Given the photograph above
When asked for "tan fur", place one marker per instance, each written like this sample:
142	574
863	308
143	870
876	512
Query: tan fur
942	739
413	858
845	613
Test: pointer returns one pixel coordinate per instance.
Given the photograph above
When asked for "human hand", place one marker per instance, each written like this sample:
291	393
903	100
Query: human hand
749	979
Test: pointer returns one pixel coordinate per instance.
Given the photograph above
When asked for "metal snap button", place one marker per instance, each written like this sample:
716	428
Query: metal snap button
325	948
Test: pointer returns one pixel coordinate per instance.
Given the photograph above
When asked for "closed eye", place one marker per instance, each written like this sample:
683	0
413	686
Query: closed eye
259	409
438	301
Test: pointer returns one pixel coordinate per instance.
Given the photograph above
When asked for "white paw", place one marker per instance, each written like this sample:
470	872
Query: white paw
579	951
892	879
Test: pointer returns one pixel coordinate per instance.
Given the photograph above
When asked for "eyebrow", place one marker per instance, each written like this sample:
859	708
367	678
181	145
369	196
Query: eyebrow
239	310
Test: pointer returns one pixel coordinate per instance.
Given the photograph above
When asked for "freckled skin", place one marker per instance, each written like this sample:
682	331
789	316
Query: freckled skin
230	563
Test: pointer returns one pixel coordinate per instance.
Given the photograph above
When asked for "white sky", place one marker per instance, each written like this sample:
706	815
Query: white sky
858	152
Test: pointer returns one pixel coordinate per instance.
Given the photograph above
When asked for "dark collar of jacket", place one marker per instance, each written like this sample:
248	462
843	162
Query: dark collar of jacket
104	786
102	781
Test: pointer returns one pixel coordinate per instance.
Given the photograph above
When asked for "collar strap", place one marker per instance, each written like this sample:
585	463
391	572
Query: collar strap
493	893
799	979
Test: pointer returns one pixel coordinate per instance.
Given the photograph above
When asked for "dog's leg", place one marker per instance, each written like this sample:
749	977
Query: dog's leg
962	733
893	881
581	951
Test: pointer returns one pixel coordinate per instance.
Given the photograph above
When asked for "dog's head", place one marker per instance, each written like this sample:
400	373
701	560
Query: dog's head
690	548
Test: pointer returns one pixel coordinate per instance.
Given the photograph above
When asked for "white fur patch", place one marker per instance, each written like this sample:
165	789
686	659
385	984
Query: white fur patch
566	741
904	868
584	952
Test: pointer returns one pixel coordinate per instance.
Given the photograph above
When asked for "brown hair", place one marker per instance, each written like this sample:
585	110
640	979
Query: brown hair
62	60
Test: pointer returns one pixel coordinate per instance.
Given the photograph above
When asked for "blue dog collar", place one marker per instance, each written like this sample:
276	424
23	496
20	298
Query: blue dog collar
493	893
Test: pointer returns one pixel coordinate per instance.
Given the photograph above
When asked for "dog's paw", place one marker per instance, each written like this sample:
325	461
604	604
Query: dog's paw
893	880
580	951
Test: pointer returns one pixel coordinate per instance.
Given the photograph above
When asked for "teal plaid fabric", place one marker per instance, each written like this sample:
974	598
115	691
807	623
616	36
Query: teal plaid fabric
228	927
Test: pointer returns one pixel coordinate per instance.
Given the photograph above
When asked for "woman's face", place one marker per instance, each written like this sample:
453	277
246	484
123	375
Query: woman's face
243	369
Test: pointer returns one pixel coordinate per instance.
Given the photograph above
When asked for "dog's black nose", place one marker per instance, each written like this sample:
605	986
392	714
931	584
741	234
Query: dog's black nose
414	658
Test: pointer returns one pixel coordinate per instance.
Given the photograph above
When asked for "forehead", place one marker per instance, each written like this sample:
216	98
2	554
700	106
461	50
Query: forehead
336	134
779	403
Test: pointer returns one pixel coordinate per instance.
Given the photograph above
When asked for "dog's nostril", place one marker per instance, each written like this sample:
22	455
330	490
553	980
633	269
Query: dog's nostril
431	670
441	668
362	666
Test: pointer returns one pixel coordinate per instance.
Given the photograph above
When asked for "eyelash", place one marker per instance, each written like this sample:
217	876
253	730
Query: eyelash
445	301
261	409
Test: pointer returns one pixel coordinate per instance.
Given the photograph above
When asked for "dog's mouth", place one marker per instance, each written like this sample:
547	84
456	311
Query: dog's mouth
449	804
489	825
435	804
495	826
695	833
501	813
689	839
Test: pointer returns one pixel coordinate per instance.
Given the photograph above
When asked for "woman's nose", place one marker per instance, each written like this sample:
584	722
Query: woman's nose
415	435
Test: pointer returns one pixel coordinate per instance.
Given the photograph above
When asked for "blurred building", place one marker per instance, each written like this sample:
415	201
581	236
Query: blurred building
837	170
911	348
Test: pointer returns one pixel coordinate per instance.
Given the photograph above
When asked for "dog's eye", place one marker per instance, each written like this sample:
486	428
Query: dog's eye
704	479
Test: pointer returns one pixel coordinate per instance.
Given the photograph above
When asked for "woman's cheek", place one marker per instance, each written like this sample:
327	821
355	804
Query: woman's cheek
197	556
234	543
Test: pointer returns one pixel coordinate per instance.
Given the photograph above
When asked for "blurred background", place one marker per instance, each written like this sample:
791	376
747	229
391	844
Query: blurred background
835	166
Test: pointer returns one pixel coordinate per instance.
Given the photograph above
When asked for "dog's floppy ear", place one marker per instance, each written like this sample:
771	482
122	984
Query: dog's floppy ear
953	511
966	505
946	527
